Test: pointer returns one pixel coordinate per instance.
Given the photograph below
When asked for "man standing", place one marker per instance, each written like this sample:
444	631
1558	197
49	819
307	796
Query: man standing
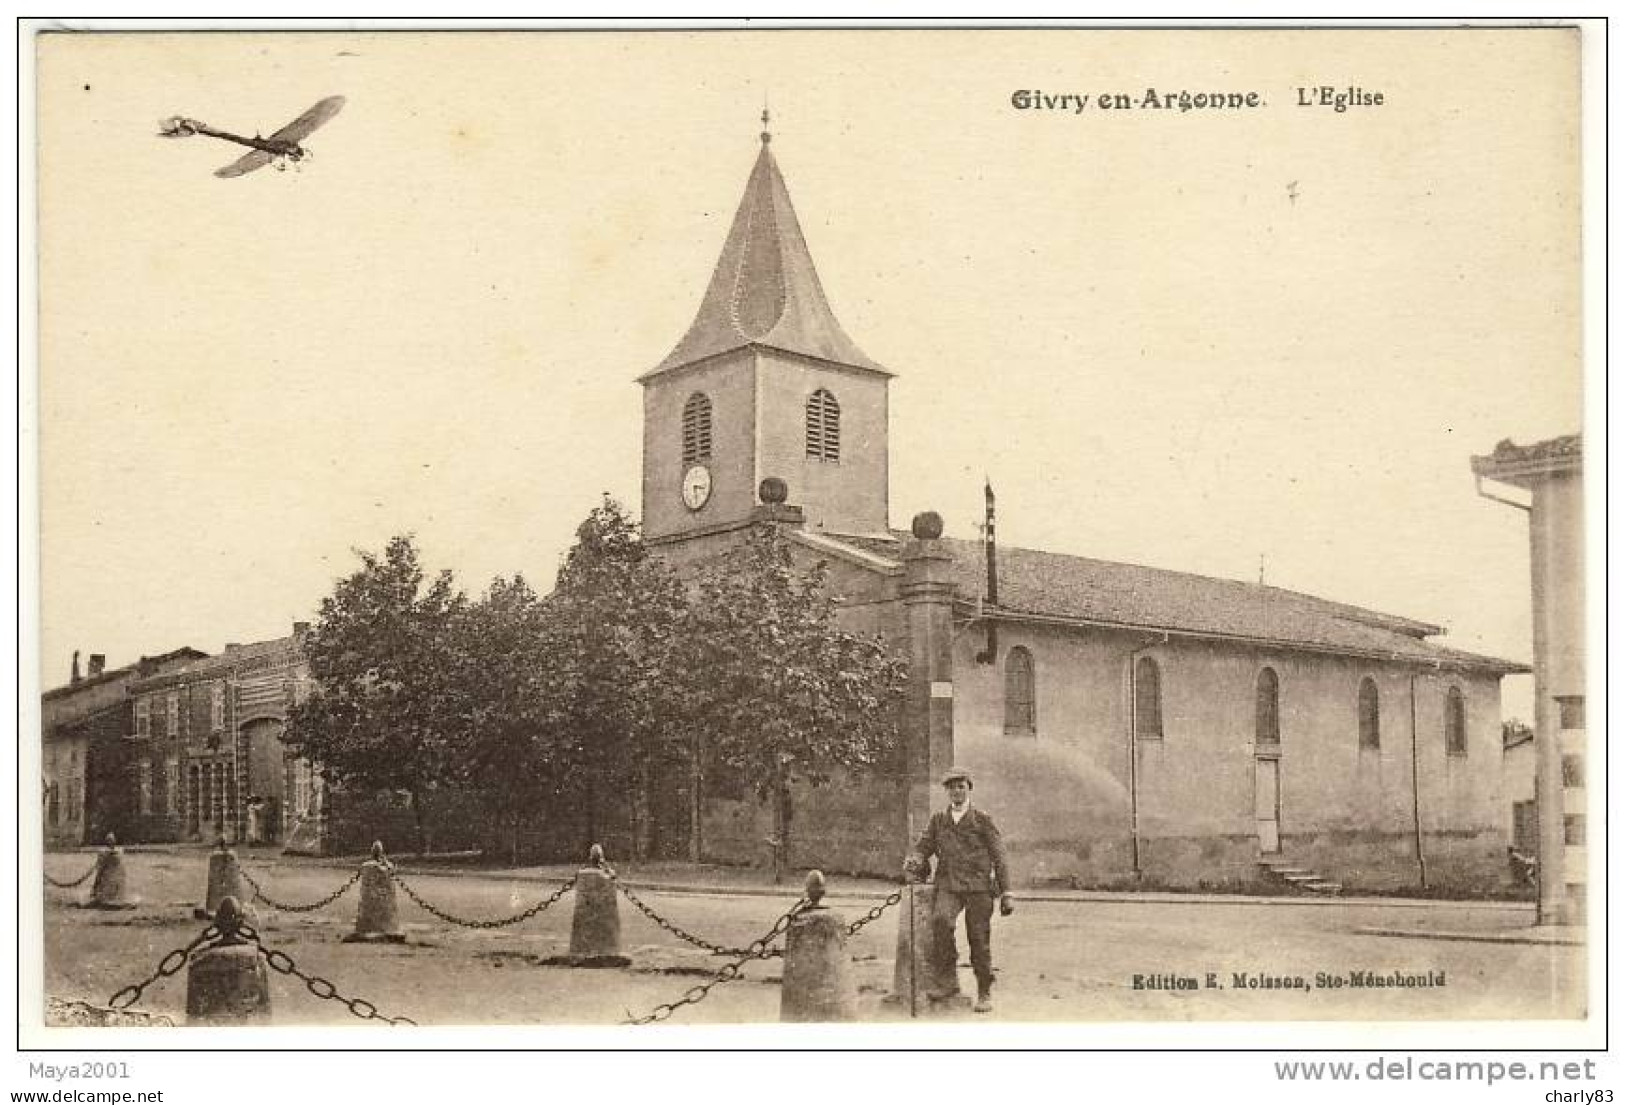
971	871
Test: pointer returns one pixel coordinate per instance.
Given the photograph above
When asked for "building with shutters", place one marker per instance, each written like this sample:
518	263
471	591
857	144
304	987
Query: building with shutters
1129	725
206	758
83	760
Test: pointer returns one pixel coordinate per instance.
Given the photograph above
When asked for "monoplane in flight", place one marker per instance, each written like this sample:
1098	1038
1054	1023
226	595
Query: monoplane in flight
281	149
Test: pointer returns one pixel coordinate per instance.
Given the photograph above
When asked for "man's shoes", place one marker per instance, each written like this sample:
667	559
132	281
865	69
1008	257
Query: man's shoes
984	1003
942	994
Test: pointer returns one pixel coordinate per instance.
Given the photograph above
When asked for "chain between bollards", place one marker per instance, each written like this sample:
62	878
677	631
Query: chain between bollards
282	964
696	994
76	882
171	964
228	929
673	928
875	913
526	915
260	893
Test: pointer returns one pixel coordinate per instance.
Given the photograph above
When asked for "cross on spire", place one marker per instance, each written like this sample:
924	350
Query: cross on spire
767	135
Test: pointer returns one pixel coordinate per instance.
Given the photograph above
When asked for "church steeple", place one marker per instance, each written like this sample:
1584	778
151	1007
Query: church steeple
765	290
765	383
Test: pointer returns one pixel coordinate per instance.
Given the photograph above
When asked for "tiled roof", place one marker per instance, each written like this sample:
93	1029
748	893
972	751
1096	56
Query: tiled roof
1054	585
765	290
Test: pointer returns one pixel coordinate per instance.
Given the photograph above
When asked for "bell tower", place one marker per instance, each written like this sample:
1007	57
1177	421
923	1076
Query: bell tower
764	383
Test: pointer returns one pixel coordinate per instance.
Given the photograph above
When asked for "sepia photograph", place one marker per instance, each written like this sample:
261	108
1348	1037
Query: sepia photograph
1015	533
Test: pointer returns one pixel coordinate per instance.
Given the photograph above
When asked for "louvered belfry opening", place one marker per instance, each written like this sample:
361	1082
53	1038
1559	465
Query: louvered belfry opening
696	428
823	426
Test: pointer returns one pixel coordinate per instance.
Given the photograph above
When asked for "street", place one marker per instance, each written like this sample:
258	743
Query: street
1063	958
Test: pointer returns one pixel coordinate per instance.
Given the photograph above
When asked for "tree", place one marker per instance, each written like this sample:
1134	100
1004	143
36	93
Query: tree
784	695
385	711
614	616
509	682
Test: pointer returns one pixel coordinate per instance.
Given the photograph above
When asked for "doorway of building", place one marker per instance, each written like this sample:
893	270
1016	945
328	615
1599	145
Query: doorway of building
1267	803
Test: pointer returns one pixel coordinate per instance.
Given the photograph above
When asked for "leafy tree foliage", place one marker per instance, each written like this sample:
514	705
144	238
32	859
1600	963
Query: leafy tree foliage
386	711
507	684
783	694
615	615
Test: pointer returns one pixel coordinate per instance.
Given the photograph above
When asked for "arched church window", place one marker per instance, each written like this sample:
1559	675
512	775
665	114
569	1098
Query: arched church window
1020	698
1455	722
697	428
1147	698
1370	714
1267	712
823	426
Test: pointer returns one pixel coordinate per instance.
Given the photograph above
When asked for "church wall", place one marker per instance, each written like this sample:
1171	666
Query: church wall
845	496
728	382
1345	811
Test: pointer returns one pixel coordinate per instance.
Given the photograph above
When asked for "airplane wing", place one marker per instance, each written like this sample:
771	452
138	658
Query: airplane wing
310	120
253	159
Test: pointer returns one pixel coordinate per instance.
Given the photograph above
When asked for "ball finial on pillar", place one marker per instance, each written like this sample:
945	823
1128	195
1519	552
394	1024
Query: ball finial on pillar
595	855
927	526
816	886
773	491
378	851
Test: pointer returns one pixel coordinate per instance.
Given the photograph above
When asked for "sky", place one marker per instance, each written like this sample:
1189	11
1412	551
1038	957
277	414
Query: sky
1213	341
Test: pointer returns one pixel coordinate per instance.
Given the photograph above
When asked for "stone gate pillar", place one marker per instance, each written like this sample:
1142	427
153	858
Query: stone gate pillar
928	597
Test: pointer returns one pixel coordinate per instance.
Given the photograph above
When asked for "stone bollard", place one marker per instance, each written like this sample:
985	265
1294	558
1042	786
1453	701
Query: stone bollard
224	881
227	984
109	890
817	983
595	929
376	919
913	977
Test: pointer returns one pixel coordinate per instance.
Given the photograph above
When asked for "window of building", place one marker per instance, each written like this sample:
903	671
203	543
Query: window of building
1574	770
172	711
143	783
697	428
1571	711
172	786
1267	708
1455	722
1370	714
143	717
1020	699
1147	698
1574	828
823	426
217	707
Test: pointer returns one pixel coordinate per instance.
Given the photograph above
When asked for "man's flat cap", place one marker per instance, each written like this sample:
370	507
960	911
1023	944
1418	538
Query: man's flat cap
956	773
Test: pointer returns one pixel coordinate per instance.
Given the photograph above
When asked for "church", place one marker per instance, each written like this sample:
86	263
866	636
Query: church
1129	726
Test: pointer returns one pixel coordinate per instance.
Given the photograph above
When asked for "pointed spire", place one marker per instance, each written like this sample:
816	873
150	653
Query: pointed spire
765	289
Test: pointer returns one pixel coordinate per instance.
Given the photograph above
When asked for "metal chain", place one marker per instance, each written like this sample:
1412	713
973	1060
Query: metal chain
695	994
874	914
171	964
285	907
322	988
676	930
75	882
503	923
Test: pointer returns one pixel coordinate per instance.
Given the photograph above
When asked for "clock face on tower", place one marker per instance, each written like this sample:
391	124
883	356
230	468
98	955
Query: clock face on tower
696	486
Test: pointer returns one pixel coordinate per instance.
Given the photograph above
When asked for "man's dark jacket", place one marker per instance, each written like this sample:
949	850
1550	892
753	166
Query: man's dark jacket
970	855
